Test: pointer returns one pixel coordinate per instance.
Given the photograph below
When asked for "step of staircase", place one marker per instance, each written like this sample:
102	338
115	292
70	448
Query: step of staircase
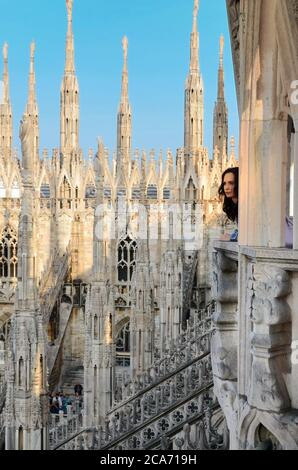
75	375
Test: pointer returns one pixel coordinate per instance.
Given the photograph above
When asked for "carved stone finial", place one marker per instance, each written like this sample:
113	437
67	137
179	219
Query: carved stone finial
222	43
32	50
195	15
69	5
125	47
100	145
5	51
196	8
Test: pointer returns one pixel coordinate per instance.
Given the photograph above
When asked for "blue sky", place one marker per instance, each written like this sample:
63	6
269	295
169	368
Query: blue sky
158	32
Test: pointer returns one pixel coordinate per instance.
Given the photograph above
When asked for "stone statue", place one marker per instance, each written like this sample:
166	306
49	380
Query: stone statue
125	47
32	50
222	43
69	4
196	8
26	132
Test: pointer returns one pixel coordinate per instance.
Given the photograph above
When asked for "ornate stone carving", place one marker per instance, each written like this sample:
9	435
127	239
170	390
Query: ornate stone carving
271	338
271	285
233	7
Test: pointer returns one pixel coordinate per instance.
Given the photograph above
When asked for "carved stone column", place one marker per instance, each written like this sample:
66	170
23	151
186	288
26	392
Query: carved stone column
271	338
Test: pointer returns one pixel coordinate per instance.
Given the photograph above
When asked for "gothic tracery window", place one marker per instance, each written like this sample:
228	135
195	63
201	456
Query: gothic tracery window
123	339
8	254
127	249
190	192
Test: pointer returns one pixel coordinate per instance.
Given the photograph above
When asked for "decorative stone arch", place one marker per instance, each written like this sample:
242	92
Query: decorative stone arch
123	343
120	324
123	335
191	189
250	425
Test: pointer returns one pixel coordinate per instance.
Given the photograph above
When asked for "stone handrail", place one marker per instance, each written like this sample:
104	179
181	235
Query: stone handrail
164	392
184	349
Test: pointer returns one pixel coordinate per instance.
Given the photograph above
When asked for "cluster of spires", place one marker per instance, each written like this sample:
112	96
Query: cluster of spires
69	124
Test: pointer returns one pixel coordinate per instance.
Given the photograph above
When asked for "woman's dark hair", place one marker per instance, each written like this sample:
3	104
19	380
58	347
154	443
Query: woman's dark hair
229	207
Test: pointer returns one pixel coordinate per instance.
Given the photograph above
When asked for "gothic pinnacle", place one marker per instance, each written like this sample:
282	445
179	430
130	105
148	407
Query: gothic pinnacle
195	16
221	85
222	43
124	91
194	50
5	74
69	64
31	94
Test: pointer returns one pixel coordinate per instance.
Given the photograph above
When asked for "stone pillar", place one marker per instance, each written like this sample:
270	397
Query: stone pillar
224	342
263	133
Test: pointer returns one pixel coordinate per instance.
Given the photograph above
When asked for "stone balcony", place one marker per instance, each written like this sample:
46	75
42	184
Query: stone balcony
255	377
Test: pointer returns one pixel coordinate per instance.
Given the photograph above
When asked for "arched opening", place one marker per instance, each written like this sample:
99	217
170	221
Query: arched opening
15	190
21	438
53	326
265	440
191	191
96	328
123	346
2	189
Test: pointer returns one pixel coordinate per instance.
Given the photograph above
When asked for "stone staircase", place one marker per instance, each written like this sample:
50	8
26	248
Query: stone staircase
53	281
174	393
